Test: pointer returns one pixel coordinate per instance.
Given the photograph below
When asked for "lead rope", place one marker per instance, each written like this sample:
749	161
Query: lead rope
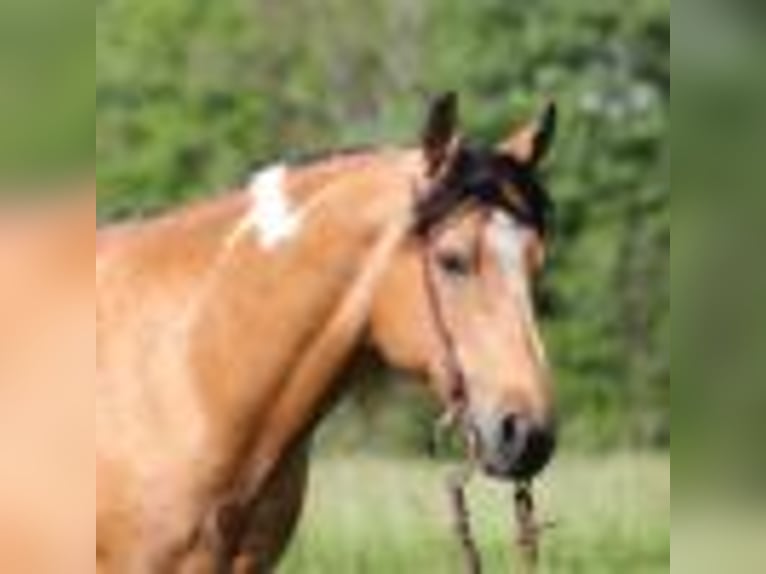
455	417
457	483
455	414
528	537
528	529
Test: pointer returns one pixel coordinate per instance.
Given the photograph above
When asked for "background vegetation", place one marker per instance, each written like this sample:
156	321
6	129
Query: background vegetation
47	110
191	95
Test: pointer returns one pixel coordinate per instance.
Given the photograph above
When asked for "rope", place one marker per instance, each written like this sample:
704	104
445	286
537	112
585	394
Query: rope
456	487
528	538
529	529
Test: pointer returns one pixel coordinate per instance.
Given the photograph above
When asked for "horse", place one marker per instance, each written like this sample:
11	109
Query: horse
225	328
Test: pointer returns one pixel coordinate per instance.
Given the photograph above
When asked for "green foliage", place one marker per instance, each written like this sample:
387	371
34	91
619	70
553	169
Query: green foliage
46	106
190	95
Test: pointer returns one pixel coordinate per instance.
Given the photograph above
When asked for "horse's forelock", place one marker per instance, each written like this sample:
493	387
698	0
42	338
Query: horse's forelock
481	176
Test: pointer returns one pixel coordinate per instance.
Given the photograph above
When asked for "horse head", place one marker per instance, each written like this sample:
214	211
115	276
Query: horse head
455	303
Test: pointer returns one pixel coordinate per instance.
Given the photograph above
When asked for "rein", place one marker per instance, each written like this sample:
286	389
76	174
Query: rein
457	407
456	416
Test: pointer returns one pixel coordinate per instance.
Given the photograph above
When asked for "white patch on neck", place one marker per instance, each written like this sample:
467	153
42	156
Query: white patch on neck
272	216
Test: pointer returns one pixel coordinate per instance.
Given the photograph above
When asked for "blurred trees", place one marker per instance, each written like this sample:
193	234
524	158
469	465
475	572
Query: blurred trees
46	106
191	95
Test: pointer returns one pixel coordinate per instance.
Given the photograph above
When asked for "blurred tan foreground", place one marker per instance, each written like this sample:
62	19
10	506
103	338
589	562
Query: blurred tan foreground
47	373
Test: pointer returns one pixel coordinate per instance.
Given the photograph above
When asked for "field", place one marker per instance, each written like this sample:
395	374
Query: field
380	516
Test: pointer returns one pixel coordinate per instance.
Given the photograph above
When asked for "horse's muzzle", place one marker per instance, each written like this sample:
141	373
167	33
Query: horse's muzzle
515	448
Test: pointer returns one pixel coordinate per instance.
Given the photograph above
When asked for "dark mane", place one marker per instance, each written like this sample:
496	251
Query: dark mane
480	175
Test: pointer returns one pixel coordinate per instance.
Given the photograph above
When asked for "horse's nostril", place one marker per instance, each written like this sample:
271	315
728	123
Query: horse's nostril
509	429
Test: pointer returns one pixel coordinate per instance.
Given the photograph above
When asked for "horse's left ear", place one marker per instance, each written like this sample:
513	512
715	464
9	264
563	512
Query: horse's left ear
532	143
440	131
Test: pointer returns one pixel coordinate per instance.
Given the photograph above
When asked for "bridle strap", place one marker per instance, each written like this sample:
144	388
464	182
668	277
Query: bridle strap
458	400
457	393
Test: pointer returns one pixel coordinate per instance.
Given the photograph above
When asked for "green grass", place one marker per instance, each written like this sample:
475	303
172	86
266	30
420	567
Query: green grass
381	516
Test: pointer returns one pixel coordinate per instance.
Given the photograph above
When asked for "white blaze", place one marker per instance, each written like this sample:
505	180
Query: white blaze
507	239
271	215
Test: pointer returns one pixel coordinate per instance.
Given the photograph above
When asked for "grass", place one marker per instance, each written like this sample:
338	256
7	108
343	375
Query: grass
382	516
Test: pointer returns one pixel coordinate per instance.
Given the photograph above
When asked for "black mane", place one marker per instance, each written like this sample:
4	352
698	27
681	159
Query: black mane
484	176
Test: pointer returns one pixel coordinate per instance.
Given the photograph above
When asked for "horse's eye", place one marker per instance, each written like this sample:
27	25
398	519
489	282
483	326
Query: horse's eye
455	263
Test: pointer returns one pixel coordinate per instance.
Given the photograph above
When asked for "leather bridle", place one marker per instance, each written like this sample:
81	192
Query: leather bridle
457	416
433	204
456	396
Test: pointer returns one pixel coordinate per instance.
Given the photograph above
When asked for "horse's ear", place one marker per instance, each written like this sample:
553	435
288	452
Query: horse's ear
441	130
532	143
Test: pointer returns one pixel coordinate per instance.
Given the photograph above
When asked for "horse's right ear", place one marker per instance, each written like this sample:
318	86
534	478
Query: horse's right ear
441	131
532	143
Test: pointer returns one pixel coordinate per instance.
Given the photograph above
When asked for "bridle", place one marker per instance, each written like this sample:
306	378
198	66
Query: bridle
457	395
457	399
435	202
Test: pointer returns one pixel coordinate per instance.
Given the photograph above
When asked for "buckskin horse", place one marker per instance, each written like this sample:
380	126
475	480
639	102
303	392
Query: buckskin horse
224	329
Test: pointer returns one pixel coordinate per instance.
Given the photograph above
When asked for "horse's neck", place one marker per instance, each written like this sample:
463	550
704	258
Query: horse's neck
273	328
